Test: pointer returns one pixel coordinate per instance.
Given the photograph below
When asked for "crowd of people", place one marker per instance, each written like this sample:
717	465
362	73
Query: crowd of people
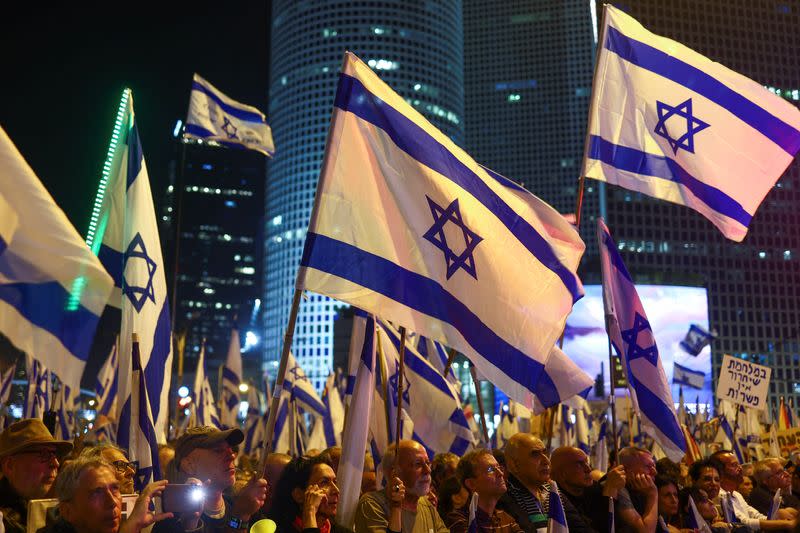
501	490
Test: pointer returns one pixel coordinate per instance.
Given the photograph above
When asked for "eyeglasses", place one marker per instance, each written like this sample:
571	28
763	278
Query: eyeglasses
491	469
123	466
44	456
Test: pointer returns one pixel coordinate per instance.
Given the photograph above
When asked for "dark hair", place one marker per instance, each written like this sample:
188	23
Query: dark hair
283	508
663	481
668	468
683	503
449	488
439	466
698	466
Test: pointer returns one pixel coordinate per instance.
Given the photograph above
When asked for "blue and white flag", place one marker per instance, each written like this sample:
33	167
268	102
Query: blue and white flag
65	407
582	428
429	399
253	424
730	442
107	384
670	123
215	117
231	379
43	261
632	338
696	339
472	524
130	249
694	520
556	519
40	389
297	386
205	408
142	445
437	355
686	376
422	235
600	457
356	433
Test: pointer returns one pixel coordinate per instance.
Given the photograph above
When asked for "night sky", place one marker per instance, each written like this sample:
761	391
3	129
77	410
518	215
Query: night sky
64	69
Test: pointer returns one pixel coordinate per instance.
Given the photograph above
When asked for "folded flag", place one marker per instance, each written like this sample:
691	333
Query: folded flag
409	227
42	259
686	376
215	117
670	123
632	338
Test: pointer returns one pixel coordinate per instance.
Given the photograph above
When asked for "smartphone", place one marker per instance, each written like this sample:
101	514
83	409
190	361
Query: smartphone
182	498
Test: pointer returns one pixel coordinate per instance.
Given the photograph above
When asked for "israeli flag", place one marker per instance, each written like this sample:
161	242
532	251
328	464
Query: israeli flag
632	338
107	384
670	123
600	457
130	249
327	429
254	423
696	339
215	117
42	261
422	235
356	433
694	520
40	389
205	408
686	376
437	355
65	407
557	520
138	424
298	386
472	524
429	399
231	379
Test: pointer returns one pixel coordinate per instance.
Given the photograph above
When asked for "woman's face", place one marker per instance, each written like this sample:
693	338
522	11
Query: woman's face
705	506
668	500
746	487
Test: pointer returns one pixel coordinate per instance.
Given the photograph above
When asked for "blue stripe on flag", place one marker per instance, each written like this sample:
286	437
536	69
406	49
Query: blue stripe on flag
198	131
352	96
156	365
639	162
366	347
694	79
426	296
419	367
135	155
228	374
241	114
616	260
661	415
42	304
307	399
690	371
112	261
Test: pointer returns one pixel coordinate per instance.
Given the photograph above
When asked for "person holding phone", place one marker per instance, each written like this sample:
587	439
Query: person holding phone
306	498
204	456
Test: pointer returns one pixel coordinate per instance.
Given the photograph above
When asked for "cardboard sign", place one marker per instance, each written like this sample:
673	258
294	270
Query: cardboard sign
743	382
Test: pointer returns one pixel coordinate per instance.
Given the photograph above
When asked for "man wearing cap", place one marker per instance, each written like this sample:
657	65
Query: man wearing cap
205	454
29	458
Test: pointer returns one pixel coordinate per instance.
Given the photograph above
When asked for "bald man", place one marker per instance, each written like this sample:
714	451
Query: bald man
571	470
528	495
402	505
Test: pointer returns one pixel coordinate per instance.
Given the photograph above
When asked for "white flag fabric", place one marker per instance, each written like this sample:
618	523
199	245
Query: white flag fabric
107	384
142	447
130	250
205	408
632	338
356	431
686	376
231	379
254	424
297	386
422	235
582	428
327	429
43	260
215	117
670	123
600	456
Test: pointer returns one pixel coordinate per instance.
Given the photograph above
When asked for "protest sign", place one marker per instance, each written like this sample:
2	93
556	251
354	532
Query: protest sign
743	382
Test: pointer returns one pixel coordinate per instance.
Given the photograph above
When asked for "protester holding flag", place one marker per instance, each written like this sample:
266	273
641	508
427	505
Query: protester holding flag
481	475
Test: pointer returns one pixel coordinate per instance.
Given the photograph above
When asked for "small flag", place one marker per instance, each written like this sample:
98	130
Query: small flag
611	518
696	339
204	405
632	338
499	294
231	379
694	520
40	389
557	520
215	117
327	430
107	384
472	525
41	264
670	123
686	376
600	459
254	423
65	407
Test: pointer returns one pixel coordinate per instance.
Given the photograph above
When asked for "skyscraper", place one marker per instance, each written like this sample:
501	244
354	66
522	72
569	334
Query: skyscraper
753	286
417	49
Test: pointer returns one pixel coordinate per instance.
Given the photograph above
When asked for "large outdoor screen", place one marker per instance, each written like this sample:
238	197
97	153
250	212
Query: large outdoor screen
670	309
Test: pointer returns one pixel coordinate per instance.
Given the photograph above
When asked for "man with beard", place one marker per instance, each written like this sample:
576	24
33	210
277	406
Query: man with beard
480	473
407	470
771	476
732	503
29	458
205	455
90	501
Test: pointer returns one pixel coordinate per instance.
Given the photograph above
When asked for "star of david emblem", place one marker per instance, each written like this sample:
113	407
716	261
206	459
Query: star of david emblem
635	351
230	129
142	475
393	382
693	125
297	374
136	294
437	237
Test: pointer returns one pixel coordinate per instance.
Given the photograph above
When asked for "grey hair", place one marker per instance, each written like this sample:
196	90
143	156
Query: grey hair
763	468
96	451
69	477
